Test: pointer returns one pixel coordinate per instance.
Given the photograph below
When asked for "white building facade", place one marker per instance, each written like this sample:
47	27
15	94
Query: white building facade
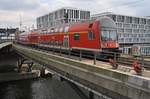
62	16
131	30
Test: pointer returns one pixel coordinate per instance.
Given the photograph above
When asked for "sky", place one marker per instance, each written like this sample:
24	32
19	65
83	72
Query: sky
12	11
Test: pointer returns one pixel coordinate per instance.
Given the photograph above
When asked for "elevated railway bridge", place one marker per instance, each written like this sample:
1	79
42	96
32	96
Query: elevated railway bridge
96	76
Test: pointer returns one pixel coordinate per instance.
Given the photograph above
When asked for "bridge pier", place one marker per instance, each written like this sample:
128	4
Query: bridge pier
22	61
45	73
30	64
19	64
42	72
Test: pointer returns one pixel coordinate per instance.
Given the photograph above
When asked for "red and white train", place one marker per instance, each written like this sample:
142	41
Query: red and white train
95	35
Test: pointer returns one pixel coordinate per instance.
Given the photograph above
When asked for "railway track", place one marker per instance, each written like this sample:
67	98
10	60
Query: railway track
127	61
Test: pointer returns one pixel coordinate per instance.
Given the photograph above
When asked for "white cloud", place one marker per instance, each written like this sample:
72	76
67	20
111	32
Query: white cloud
19	5
10	15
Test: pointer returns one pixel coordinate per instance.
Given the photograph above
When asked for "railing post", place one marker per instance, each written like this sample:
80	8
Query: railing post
115	57
138	65
113	61
69	52
142	63
53	50
60	51
94	58
80	56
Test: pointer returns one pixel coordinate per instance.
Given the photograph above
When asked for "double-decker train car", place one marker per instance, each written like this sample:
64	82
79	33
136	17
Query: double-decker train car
95	35
23	38
29	38
33	37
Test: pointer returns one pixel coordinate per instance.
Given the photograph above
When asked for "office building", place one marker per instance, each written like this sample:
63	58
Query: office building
62	16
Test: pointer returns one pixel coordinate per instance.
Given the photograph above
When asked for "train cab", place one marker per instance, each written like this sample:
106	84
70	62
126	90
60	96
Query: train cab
108	35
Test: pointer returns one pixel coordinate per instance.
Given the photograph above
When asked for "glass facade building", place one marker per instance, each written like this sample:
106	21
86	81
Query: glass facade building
62	16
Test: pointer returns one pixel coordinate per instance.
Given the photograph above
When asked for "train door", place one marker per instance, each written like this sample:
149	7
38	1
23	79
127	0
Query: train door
66	41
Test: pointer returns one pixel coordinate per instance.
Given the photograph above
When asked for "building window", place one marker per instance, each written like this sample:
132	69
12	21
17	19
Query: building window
76	14
120	18
91	35
119	25
126	25
114	17
141	26
128	30
148	21
88	15
76	36
136	20
128	19
143	21
121	30
71	13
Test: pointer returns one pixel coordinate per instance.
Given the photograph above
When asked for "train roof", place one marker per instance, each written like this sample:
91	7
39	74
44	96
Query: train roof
81	25
106	22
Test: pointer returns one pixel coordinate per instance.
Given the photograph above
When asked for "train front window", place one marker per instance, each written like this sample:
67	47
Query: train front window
108	35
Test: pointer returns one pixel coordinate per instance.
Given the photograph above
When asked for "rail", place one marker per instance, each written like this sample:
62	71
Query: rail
80	55
6	40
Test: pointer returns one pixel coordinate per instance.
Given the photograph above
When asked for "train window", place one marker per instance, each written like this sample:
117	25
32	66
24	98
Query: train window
61	30
91	35
56	30
52	29
109	35
66	29
76	36
49	30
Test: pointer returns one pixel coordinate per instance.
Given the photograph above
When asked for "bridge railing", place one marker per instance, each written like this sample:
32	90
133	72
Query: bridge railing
137	63
115	58
10	39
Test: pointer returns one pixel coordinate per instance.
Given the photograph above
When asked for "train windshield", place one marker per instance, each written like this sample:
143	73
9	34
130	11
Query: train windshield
108	29
108	35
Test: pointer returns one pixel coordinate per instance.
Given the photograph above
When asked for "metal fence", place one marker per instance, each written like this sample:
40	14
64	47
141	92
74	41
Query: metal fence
119	58
114	58
3	41
10	39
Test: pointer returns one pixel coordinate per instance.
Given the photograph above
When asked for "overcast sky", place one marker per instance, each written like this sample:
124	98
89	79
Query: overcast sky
29	10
